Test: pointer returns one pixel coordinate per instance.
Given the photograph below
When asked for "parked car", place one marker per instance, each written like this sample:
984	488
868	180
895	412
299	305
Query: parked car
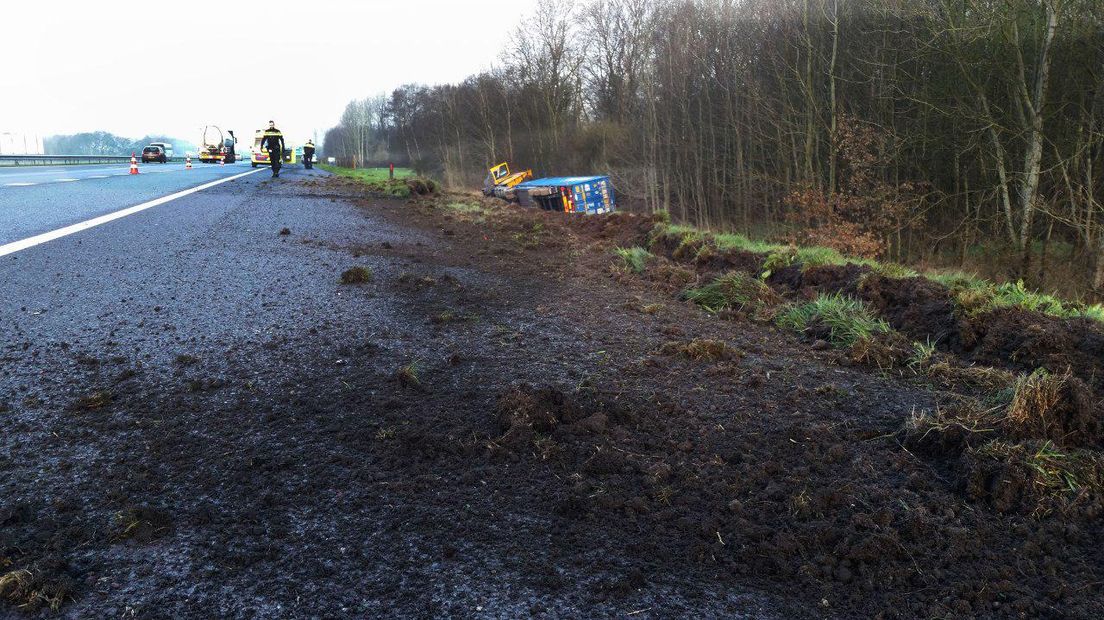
154	153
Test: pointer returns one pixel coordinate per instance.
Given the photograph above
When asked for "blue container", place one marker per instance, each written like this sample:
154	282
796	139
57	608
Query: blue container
589	195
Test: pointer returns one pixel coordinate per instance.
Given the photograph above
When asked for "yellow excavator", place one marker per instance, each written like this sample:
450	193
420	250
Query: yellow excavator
500	180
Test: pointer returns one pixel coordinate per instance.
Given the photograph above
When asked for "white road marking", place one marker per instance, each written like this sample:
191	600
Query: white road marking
17	184
64	180
97	176
30	242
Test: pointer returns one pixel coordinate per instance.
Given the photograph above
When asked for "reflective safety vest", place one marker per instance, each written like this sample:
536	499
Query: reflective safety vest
273	140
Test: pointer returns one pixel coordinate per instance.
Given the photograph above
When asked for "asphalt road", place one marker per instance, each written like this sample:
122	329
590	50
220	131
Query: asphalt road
20	176
188	259
38	200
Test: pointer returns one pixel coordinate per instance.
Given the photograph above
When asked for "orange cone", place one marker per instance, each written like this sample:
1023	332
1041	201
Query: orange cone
188	162
222	162
133	164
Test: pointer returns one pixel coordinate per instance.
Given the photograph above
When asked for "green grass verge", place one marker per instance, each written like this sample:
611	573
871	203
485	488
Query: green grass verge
972	294
846	319
403	185
976	296
368	175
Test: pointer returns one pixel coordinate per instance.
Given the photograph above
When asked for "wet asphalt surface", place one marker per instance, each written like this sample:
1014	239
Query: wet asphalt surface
184	272
37	200
209	277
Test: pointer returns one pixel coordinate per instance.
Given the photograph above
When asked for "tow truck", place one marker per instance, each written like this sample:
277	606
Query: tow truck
215	147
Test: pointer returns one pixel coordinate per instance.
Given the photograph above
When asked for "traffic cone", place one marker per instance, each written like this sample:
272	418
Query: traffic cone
133	164
222	162
188	162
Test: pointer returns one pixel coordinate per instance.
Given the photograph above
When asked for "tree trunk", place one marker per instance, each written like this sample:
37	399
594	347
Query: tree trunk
1033	156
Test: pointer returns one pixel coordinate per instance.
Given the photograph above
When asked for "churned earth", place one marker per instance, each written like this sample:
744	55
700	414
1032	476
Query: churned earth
204	418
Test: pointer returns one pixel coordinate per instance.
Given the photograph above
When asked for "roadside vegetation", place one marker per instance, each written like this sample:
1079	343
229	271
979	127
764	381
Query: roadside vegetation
405	184
973	295
368	175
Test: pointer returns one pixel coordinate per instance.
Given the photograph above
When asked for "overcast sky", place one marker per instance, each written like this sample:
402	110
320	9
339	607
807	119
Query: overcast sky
136	67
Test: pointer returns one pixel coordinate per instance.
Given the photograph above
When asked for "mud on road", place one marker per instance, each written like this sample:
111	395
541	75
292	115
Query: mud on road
494	420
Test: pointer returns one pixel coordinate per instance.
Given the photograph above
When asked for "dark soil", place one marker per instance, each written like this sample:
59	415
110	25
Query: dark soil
1029	340
560	452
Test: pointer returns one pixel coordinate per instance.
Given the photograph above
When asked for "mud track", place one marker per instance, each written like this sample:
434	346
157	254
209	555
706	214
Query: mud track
497	424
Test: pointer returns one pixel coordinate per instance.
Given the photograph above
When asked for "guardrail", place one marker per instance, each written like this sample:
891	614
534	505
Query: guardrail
60	160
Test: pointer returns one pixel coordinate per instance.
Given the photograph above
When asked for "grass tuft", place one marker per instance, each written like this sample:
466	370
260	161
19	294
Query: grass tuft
732	241
634	258
465	208
95	400
992	379
893	271
356	275
922	353
733	290
31	591
408	375
844	320
1037	400
1046	473
700	349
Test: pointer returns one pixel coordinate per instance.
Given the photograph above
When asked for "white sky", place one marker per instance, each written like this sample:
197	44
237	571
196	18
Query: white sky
137	67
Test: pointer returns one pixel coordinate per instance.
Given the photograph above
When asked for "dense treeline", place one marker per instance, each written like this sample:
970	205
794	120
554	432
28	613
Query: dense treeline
919	130
105	143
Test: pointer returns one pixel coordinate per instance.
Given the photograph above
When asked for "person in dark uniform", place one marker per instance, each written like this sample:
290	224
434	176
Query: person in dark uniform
308	155
273	142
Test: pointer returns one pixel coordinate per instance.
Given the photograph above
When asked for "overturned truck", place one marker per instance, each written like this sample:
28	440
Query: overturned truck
587	195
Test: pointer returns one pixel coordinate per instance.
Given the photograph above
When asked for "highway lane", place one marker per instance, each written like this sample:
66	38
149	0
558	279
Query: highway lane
48	199
196	259
21	176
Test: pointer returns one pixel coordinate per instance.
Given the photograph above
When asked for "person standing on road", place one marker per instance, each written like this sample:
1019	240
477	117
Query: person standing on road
308	154
273	142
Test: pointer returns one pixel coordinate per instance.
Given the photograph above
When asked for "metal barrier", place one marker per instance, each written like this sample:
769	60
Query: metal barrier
60	160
